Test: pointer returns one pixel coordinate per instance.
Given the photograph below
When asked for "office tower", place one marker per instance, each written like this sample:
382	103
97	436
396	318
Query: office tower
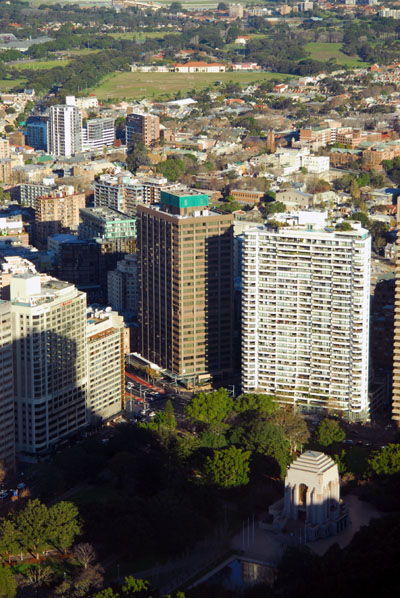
106	364
106	224
57	212
64	131
79	262
185	286
122	286
305	316
147	126
50	360
36	132
7	419
98	133
122	193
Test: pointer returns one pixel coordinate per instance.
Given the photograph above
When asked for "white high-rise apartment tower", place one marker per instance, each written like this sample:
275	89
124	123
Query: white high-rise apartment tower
64	130
50	360
305	317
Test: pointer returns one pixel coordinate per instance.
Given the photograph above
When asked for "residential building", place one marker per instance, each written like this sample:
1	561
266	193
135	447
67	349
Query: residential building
106	365
147	126
49	332
7	419
36	132
106	223
122	193
28	192
6	170
185	279
236	11
122	286
4	148
10	265
98	133
396	356
57	212
64	131
305	316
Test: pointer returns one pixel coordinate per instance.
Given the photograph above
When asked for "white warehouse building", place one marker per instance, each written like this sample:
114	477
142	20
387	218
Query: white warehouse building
305	316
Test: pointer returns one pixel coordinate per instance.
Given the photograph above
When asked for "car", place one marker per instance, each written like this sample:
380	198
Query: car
151	414
21	485
3	494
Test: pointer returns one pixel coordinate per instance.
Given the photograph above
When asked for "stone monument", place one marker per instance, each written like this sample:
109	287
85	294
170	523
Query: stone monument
311	507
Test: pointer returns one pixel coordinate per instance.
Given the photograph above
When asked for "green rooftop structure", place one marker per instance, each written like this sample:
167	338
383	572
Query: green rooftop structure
185	198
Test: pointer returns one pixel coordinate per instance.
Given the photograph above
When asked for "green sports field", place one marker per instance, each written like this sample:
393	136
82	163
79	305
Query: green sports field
39	64
323	51
155	85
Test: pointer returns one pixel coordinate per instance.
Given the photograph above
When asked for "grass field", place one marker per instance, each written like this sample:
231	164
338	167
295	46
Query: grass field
154	85
7	84
323	51
141	34
38	65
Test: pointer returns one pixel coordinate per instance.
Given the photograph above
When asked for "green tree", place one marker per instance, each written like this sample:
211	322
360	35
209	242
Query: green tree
344	226
386	461
107	593
274	207
169	416
265	404
137	155
228	468
8	586
175	7
64	524
267	438
328	432
32	524
294	427
210	408
134	586
363	218
9	538
340	460
354	190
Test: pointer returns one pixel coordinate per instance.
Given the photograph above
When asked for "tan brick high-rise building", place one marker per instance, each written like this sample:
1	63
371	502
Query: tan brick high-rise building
55	213
145	125
185	277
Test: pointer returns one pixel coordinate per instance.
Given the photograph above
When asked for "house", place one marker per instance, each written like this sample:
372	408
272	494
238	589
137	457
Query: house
242	39
199	67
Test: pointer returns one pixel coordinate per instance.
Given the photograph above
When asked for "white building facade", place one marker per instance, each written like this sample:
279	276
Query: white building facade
106	365
305	317
64	131
49	334
98	133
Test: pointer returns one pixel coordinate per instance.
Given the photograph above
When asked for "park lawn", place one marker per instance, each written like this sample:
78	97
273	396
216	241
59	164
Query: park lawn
357	457
92	494
323	51
155	85
37	65
140	35
7	84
